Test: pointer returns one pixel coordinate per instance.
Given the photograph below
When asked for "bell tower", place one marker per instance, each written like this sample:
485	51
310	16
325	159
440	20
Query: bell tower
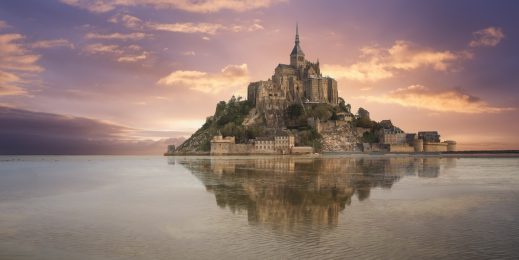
297	56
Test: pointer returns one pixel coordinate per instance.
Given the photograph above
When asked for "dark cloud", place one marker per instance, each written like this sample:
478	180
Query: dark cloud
28	132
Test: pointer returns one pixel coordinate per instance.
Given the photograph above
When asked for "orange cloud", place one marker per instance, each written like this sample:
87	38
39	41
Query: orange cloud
488	37
231	77
449	100
379	63
8	85
207	6
17	63
14	56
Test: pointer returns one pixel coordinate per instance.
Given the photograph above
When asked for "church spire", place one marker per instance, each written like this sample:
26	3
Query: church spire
297	33
297	56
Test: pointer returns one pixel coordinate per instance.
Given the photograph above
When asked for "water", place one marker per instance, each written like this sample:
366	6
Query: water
331	207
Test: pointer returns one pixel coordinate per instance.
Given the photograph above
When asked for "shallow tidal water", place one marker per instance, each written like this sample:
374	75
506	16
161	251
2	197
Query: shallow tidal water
330	207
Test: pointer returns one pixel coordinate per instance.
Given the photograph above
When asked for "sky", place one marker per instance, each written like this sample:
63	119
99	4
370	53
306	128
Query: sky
129	76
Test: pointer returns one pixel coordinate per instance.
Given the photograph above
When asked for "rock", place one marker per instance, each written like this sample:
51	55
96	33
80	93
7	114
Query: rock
342	138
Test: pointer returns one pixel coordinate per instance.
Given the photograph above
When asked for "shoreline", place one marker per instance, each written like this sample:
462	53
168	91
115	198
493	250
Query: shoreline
455	154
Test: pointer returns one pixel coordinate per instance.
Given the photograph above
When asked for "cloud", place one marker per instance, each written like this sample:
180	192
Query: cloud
189	53
29	132
46	44
131	53
133	58
3	25
103	48
446	100
231	77
133	22
14	56
8	84
381	63
17	64
488	37
117	36
208	28
206	6
128	21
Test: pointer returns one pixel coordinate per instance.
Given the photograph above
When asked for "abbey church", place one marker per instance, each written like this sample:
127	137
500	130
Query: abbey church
300	82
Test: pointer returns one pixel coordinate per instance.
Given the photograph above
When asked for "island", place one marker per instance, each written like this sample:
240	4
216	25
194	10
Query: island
298	111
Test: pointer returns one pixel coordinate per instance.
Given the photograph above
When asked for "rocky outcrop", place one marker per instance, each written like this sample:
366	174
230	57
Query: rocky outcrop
343	138
196	143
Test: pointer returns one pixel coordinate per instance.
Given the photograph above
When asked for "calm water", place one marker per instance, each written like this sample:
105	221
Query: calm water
258	207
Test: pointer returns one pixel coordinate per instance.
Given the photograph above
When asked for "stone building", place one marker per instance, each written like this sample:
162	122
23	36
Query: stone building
274	144
396	140
227	145
300	82
279	144
429	136
392	136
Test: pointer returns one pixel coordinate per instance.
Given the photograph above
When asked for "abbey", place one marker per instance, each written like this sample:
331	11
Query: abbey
300	82
298	111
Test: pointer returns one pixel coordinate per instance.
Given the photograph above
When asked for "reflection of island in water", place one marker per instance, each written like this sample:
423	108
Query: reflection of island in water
284	192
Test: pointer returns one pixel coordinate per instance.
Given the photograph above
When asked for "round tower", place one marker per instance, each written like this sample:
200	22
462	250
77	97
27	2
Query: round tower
451	146
418	145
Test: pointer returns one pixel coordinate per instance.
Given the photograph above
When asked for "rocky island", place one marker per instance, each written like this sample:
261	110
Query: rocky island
298	111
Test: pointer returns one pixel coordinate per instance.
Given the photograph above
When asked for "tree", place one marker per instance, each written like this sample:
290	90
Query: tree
334	116
343	107
322	111
369	137
294	111
363	113
220	108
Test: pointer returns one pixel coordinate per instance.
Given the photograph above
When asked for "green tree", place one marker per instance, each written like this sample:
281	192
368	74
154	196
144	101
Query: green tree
322	111
370	137
334	116
363	113
294	111
220	108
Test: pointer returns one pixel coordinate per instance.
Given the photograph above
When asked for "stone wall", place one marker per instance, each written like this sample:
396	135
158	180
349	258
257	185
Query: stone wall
393	138
374	147
434	147
242	149
302	150
401	148
231	148
418	145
